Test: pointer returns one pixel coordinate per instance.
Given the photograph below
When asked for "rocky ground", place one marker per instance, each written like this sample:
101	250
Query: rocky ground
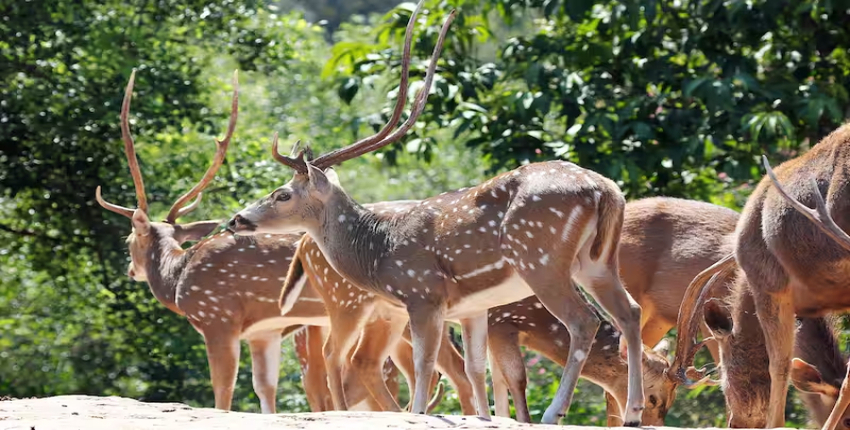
117	413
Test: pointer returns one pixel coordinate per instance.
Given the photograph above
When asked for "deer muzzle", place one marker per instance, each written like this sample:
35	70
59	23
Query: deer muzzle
239	224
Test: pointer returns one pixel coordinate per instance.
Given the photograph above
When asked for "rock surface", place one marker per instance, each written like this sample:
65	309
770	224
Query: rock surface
117	413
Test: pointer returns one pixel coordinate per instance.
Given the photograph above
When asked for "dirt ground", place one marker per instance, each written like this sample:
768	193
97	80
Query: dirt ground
117	413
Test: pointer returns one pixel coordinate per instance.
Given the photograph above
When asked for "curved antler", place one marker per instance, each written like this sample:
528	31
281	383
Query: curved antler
130	147
687	324
130	152
820	215
177	210
120	210
379	140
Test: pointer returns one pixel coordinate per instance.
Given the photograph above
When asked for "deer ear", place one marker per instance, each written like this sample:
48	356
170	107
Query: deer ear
807	378
318	180
194	231
717	318
332	176
141	223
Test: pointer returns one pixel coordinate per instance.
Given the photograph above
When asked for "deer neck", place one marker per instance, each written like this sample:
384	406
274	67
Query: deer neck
604	365
165	263
352	238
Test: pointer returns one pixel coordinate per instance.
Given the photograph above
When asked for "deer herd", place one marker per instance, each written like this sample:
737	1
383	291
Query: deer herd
368	290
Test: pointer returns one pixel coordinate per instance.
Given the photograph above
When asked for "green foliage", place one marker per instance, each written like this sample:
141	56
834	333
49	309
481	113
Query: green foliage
661	96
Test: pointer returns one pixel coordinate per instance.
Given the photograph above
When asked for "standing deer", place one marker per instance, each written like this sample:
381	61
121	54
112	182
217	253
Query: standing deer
226	286
350	309
665	242
790	267
529	231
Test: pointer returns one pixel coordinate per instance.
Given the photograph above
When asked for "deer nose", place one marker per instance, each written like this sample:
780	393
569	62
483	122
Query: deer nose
238	222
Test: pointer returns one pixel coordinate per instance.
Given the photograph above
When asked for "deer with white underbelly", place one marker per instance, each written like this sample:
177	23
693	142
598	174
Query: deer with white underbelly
533	230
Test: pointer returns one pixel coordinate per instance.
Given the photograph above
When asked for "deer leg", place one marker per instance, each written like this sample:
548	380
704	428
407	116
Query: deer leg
223	358
390	374
570	307
265	368
402	356
426	329
500	386
776	315
608	291
308	346
475	356
367	363
450	363
342	338
511	367
613	410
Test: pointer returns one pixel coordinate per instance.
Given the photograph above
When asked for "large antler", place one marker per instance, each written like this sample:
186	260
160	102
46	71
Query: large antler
130	152
380	139
177	209
820	215
688	322
363	147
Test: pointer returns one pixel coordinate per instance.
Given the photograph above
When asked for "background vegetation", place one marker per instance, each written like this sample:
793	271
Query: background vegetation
668	97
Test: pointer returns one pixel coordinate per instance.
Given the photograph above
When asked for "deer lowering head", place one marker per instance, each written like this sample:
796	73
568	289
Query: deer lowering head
534	230
788	266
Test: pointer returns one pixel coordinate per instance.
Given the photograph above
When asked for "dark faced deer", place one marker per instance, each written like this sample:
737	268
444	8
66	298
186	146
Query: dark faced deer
790	267
533	230
664	244
225	286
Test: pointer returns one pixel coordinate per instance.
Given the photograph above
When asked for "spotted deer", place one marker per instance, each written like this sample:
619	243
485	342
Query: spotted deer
665	242
352	311
529	231
789	266
208	283
225	286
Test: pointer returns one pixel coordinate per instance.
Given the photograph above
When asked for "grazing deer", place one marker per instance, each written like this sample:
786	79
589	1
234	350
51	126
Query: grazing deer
789	266
665	242
528	323
746	380
224	285
529	231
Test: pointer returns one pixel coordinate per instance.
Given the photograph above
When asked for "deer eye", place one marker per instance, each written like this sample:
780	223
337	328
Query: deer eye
653	400
282	197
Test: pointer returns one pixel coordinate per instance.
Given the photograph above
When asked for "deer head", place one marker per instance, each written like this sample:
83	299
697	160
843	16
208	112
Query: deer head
146	232
299	205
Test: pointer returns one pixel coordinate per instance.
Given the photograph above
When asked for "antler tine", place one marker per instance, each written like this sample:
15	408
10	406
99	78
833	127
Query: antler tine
220	153
820	216
130	147
120	210
297	163
379	140
687	324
